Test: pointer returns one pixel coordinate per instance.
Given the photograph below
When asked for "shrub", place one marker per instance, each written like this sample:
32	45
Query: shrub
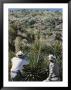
50	33
58	36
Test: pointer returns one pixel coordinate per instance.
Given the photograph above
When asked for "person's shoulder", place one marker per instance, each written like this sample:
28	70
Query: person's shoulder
13	58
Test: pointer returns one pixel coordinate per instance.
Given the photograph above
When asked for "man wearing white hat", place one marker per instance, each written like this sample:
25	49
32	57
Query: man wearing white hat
17	65
53	69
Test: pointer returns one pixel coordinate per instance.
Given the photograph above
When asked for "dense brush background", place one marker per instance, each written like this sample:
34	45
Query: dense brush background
37	32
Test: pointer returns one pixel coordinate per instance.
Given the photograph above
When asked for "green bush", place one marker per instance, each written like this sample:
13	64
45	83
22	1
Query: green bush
50	33
58	36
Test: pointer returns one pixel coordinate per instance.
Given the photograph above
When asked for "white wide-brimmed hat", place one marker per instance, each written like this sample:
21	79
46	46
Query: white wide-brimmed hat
51	57
19	53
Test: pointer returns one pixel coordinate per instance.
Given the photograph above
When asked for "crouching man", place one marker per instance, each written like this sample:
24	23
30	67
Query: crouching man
53	69
17	65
